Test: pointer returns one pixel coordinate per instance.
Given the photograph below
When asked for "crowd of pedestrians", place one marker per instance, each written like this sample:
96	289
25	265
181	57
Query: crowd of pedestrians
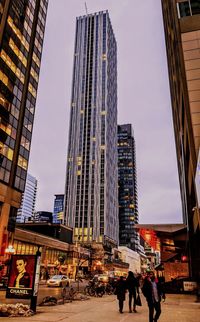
152	288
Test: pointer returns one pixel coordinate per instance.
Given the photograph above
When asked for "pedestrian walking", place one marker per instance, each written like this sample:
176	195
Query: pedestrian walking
120	291
153	291
133	288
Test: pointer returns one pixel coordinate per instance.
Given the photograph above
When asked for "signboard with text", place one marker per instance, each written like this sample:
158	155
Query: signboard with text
189	286
21	276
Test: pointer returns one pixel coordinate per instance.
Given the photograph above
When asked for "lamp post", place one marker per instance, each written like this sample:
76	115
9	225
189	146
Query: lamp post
36	280
9	251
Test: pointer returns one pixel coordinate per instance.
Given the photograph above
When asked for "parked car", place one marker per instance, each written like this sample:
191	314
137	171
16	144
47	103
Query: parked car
103	278
58	280
175	285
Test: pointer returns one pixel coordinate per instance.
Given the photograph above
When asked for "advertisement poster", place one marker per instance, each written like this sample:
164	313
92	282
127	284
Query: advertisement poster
21	276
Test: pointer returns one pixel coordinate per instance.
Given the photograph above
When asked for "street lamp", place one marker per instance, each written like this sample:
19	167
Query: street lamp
9	251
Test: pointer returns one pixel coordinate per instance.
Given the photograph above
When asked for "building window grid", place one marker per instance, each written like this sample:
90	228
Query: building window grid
87	161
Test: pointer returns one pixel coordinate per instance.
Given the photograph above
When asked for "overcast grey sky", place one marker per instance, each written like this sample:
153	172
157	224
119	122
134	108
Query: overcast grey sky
143	100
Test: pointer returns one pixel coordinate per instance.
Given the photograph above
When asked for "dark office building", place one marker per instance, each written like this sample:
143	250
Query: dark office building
22	25
57	231
41	216
182	33
58	217
127	179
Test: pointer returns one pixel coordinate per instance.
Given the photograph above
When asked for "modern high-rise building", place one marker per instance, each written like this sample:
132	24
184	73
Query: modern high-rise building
182	33
91	195
127	182
27	208
58	214
22	26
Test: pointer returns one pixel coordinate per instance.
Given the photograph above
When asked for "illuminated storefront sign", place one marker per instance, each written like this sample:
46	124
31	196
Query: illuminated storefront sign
150	238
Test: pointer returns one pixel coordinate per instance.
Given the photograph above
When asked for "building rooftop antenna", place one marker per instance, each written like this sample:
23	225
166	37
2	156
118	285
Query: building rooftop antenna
86	8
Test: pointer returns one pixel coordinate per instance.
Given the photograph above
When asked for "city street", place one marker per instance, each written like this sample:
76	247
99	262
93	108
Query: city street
43	291
177	308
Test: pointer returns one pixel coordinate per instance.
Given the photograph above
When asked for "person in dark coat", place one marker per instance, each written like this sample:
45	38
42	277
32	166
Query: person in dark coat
153	291
133	287
120	291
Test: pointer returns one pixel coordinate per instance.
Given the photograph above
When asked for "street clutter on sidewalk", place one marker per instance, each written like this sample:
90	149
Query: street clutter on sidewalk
176	308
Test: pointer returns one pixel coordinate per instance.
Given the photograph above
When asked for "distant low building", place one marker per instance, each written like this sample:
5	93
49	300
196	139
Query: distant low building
42	216
167	251
58	255
60	232
132	258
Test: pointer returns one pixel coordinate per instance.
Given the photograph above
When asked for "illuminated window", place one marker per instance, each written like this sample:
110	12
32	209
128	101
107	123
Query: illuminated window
12	66
7	152
23	163
18	52
18	33
36	59
6	80
4	101
32	90
34	74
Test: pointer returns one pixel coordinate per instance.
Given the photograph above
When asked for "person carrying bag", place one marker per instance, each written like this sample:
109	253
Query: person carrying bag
138	301
133	288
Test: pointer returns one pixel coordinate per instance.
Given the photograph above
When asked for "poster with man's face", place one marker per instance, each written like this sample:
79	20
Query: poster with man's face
21	276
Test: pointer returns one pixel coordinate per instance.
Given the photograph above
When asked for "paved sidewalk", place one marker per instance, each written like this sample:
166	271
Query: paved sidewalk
177	308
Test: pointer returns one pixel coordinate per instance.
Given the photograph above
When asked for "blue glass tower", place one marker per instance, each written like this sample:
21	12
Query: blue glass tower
27	207
58	209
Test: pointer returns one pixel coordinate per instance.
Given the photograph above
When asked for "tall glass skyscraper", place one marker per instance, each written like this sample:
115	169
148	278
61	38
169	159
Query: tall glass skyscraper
91	195
128	203
22	25
27	208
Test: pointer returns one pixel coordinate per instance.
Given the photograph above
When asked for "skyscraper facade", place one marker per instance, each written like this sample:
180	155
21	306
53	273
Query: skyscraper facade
27	208
182	33
91	195
127	182
22	25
